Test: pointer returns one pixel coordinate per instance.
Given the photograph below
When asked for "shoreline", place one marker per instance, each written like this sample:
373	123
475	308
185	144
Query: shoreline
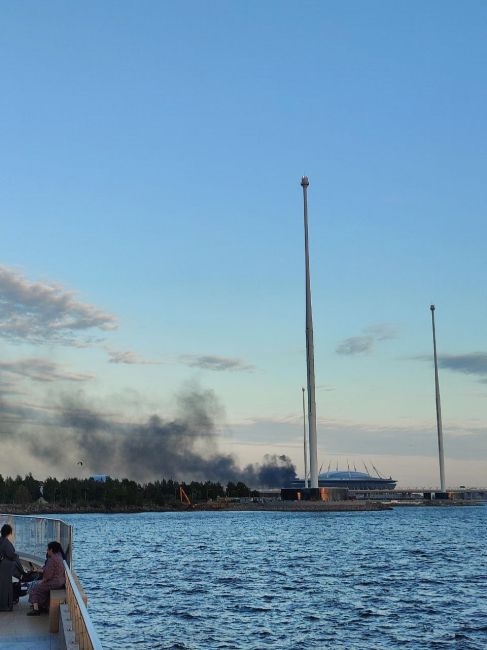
270	506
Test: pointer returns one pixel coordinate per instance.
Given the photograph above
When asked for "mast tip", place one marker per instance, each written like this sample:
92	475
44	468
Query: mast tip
304	181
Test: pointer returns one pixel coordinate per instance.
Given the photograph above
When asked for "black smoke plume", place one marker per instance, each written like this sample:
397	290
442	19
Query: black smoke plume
184	448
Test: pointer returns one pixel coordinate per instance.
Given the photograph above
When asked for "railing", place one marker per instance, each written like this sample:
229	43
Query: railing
85	633
32	534
31	537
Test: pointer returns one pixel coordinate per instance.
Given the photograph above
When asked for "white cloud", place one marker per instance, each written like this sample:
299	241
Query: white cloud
41	312
129	357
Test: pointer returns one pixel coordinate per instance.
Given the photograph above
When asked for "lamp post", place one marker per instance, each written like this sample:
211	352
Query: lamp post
310	363
439	424
305	443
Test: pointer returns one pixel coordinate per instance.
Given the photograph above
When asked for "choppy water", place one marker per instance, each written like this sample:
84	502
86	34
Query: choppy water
412	577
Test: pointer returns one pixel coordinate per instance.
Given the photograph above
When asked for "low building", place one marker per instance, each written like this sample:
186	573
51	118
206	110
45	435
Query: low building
310	494
99	478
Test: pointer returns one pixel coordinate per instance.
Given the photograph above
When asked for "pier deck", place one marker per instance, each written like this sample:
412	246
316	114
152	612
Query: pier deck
21	632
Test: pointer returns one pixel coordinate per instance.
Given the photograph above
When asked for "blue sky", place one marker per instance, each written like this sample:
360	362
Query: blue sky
149	168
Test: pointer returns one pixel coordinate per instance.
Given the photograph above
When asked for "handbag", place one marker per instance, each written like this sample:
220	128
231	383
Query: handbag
30	576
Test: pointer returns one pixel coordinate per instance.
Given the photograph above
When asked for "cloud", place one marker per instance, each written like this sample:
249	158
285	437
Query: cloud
8	387
365	343
129	357
40	312
41	370
356	345
472	363
214	362
15	413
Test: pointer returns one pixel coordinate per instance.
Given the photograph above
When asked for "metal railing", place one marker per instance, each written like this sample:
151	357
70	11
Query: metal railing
32	534
85	633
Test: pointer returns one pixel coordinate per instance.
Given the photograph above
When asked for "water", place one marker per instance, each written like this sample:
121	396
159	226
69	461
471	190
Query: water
412	577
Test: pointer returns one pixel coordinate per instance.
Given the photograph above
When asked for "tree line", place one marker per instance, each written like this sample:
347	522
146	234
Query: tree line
112	493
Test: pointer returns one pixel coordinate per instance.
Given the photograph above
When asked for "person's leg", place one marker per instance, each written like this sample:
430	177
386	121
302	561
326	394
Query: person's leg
16	591
34	601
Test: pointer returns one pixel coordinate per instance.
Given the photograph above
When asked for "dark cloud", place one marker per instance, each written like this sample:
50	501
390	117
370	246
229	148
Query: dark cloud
214	362
474	363
41	370
356	345
40	312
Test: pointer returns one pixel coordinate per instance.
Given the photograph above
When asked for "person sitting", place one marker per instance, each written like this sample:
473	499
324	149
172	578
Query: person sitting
53	577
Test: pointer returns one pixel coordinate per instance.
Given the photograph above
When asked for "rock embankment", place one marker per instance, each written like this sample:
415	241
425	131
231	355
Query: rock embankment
216	506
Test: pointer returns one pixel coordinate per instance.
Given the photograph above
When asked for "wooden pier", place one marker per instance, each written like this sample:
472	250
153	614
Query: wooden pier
21	632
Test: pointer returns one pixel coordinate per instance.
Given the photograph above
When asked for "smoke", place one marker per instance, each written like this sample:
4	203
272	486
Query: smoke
275	471
182	448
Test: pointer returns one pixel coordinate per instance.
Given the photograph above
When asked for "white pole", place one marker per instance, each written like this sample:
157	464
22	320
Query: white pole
305	444
439	425
313	443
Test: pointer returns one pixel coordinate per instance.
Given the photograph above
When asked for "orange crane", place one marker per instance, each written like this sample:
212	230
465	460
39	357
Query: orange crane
184	497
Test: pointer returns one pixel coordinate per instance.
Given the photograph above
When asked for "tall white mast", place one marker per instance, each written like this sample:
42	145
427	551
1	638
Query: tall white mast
305	444
310	362
439	424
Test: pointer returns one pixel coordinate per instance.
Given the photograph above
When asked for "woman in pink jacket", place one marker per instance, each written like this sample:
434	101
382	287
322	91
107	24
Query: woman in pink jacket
52	578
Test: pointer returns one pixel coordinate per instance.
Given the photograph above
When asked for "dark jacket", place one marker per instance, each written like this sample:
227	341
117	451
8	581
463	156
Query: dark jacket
8	564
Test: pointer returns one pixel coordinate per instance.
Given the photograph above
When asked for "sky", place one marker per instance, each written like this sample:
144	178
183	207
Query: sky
151	241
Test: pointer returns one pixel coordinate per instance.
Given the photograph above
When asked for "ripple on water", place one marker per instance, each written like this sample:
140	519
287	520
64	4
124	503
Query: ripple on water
411	578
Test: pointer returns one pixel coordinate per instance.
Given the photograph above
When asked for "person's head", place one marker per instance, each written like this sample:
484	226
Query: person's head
53	548
7	530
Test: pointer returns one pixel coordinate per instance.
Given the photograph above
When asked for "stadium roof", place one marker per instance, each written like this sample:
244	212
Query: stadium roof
345	475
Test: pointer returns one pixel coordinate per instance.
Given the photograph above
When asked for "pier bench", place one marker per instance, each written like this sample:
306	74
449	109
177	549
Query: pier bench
56	599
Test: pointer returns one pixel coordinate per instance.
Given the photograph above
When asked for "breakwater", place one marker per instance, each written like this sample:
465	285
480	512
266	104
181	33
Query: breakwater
230	506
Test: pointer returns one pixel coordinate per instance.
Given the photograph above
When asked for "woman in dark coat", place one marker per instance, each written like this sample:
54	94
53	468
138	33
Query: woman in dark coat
8	563
53	577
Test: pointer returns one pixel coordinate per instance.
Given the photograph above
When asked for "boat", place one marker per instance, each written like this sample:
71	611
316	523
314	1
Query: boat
68	625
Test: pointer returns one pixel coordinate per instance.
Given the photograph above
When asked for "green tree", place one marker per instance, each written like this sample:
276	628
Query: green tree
22	495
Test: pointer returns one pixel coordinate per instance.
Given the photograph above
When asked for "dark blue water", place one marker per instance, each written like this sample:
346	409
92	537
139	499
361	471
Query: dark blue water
412	578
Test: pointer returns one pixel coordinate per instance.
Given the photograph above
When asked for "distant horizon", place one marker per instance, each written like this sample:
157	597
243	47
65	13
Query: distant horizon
97	478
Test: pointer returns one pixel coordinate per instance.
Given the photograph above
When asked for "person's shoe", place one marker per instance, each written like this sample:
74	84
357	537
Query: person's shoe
34	612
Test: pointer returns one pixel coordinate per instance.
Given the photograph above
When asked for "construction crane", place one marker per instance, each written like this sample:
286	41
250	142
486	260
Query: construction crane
184	497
